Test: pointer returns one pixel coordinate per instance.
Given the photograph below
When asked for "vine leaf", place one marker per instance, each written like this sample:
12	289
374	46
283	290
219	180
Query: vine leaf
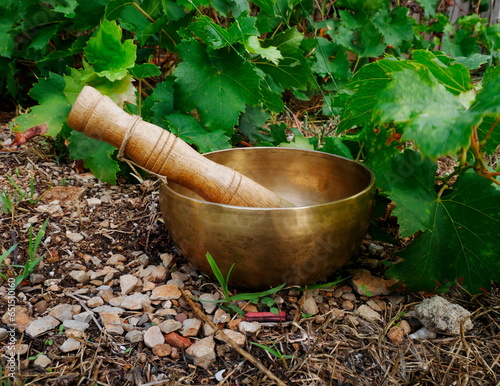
110	57
434	118
462	242
394	25
53	107
219	83
96	155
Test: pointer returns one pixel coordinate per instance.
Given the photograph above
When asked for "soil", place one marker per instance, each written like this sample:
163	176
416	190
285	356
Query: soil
335	335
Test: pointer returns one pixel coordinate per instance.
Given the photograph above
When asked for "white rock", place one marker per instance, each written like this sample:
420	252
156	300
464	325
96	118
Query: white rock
93	201
440	315
96	301
235	336
116	259
166	292
154	273
84	316
208	302
191	327
75	237
170	325
112	322
367	313
41	325
310	307
202	353
167	259
62	312
42	361
70	345
423	334
153	336
249	327
178	282
76	334
113	310
80	276
76	325
134	336
221	316
128	283
3	334
136	301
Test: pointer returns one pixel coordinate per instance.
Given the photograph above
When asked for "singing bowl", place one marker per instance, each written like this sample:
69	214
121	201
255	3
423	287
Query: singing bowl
270	246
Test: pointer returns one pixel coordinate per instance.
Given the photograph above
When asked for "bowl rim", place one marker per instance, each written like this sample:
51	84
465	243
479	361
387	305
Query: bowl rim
370	186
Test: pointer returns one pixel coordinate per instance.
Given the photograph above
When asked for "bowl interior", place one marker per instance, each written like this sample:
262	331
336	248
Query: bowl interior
303	177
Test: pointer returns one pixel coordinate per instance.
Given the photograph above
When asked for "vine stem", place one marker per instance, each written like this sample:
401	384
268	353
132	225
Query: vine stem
480	166
488	134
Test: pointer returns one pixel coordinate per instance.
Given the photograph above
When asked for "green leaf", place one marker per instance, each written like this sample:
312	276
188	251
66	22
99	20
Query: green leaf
111	58
474	61
89	13
219	83
189	130
455	77
251	123
433	117
462	244
362	6
395	25
429	7
298	142
145	70
331	60
160	103
68	9
53	107
335	145
491	145
96	155
270	53
7	42
488	100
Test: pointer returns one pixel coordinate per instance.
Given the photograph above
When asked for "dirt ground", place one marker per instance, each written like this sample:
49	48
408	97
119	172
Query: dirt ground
98	234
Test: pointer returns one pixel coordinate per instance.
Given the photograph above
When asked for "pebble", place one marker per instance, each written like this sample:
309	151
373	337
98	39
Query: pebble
365	284
367	313
21	318
349	296
153	337
178	282
234	323
41	325
162	350
154	273
221	317
249	327
80	276
112	322
397	333
75	237
110	309
136	301
42	361
95	302
373	305
70	345
93	201
440	315
62	312
84	316
202	353
170	325
177	341
166	292
128	283
237	337
348	305
37	278
191	327
76	334
116	259
76	325
167	259
309	306
134	336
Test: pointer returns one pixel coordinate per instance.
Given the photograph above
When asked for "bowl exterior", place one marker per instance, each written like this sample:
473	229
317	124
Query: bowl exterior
269	247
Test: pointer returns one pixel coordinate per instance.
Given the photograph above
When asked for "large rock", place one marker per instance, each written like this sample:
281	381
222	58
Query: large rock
439	315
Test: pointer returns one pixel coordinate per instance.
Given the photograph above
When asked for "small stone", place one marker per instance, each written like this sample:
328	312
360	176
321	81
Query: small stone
202	353
42	361
440	315
128	283
80	276
62	312
75	237
113	310
347	305
396	334
148	286
208	330
93	201
116	259
166	292
349	296
143	259
221	317
75	334
41	325
167	259
37	278
95	302
309	306
191	327
41	306
234	323
249	327
179	283
136	301
177	341
84	316
237	337
423	334
366	284
373	305
170	325
76	325
367	313
116	301
154	273
70	345
134	336
112	323
18	316
181	317
162	350
65	195
208	302
153	337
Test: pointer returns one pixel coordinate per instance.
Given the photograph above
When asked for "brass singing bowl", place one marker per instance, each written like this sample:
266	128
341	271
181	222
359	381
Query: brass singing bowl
270	246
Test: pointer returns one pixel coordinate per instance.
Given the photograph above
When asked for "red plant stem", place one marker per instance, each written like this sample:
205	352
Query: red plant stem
266	317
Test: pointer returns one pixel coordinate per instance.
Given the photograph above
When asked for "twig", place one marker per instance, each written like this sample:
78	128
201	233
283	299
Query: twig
233	344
